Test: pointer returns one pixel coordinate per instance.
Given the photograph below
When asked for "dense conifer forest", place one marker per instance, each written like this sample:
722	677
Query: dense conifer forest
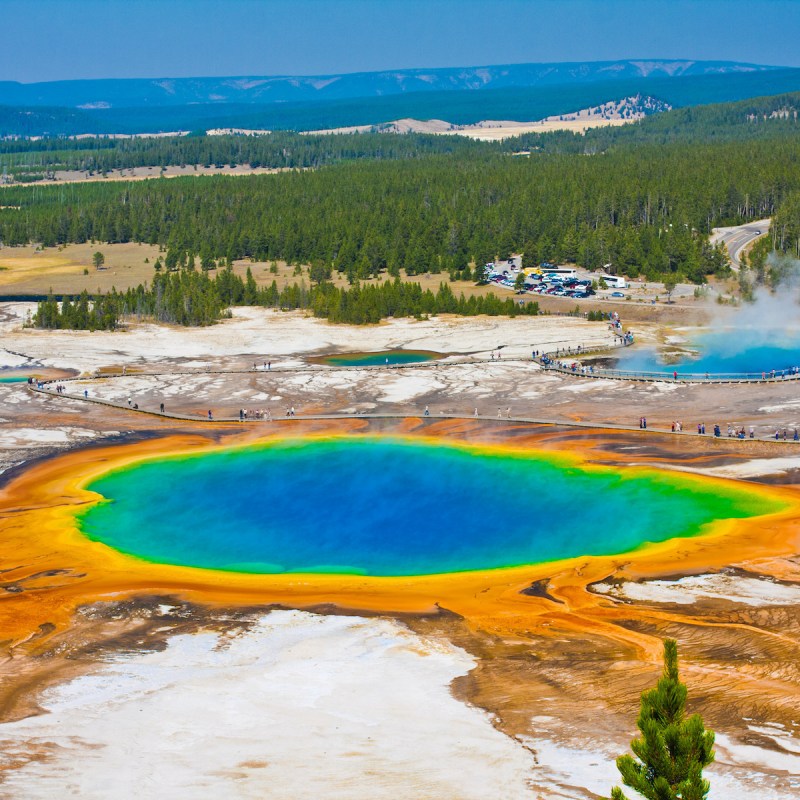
642	198
645	210
28	161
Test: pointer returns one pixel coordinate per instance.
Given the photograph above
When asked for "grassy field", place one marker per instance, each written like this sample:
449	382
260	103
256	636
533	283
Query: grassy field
69	270
32	270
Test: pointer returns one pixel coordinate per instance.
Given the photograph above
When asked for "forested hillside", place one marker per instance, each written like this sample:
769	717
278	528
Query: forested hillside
775	116
646	209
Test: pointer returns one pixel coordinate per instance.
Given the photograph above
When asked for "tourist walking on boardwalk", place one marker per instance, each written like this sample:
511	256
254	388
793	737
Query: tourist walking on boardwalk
209	414
162	408
427	411
752	432
717	431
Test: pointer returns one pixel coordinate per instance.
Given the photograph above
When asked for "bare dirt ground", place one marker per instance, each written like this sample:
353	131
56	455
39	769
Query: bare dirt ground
568	697
146	173
493	130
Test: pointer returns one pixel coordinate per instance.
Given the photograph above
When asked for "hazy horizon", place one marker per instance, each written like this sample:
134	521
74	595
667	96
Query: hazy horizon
253	75
150	39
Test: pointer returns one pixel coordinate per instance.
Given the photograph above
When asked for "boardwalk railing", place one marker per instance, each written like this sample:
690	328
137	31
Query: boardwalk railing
405	414
670	377
566	362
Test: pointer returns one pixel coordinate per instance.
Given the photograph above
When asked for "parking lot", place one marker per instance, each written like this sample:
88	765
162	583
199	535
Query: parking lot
574	282
544	280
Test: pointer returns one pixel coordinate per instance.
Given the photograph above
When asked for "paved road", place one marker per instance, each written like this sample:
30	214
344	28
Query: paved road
738	238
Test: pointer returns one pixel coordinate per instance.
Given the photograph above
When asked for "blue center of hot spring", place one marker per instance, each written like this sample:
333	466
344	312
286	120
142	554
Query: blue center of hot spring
392	507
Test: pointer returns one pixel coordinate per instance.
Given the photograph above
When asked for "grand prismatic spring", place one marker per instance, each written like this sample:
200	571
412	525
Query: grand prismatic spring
392	507
337	514
487	535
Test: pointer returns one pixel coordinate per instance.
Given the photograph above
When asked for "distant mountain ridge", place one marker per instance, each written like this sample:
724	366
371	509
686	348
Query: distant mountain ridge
242	90
523	104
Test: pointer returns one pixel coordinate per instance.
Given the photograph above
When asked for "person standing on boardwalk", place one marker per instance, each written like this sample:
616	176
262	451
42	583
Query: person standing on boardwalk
161	407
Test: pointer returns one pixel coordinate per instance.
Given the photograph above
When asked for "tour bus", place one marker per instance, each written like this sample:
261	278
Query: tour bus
613	281
562	272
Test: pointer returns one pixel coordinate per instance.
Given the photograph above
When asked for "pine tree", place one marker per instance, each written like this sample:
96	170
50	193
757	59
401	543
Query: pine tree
673	750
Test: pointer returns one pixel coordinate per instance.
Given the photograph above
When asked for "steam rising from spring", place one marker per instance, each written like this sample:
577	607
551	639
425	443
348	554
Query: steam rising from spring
771	318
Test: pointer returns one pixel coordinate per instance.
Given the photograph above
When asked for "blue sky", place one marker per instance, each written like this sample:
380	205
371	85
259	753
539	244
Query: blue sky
67	39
